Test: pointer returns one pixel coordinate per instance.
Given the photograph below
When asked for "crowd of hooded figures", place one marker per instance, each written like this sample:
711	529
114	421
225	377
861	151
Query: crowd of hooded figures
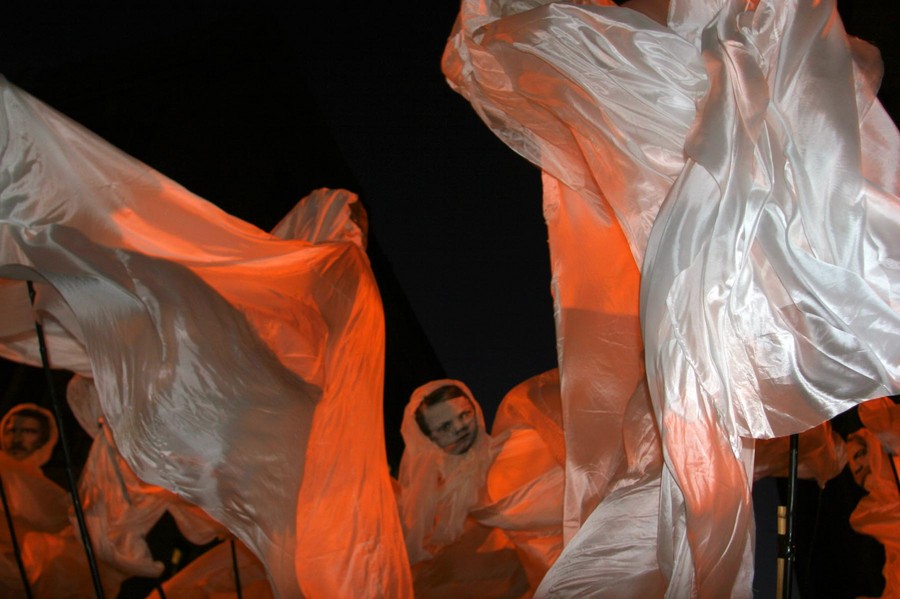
720	188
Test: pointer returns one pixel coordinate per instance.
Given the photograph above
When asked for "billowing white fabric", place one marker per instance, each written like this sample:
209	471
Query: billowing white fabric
739	159
120	510
240	371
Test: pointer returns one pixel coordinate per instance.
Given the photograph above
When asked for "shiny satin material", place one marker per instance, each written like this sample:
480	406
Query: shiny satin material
524	485
238	370
120	510
735	168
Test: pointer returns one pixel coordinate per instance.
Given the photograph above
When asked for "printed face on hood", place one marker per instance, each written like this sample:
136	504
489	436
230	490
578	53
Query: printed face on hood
451	424
23	435
858	458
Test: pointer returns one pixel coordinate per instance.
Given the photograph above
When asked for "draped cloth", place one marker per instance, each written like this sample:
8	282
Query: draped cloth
120	510
736	171
524	485
238	370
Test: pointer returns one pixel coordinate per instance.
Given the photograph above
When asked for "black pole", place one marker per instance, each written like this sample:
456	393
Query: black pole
15	542
786	527
237	574
73	487
792	497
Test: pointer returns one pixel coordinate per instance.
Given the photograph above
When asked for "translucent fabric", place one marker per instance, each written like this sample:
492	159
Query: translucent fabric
736	168
120	510
238	370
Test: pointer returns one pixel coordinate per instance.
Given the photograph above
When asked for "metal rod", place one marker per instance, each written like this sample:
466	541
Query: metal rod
792	498
237	574
70	475
15	542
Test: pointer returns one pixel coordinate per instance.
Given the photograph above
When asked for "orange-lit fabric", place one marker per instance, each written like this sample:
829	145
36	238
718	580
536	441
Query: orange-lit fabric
882	417
120	510
614	553
821	455
212	576
742	159
36	504
238	370
525	483
876	514
53	556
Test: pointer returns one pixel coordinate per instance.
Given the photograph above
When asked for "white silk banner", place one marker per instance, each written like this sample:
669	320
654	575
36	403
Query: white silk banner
736	167
241	371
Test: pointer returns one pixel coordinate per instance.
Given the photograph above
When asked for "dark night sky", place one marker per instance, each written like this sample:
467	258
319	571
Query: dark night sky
252	107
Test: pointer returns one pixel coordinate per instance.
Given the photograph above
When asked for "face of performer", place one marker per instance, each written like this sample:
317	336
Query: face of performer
22	436
452	424
859	461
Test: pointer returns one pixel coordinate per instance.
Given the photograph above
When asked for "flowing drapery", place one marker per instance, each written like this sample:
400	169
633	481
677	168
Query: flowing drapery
736	168
238	370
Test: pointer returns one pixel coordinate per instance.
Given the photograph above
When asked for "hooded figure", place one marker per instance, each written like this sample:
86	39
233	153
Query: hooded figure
35	502
440	484
442	478
29	434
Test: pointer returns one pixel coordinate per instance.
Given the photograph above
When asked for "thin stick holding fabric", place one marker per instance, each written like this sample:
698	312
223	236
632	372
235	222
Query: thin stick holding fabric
70	476
15	542
786	556
237	574
792	499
